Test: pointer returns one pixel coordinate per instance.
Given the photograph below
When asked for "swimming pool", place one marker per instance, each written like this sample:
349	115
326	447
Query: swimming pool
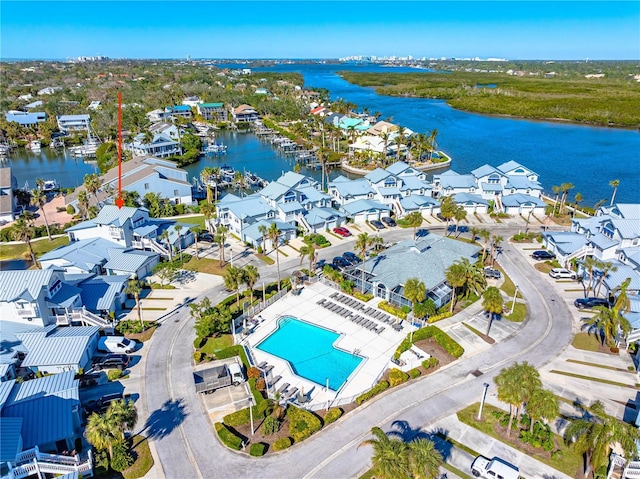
310	352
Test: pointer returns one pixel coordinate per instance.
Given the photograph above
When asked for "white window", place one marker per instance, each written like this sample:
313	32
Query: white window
175	192
146	186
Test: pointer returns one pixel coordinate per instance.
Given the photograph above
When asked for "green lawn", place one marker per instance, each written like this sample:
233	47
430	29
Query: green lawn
585	341
143	459
519	313
214	344
195	220
205	265
508	286
40	247
596	380
596	365
567	462
265	258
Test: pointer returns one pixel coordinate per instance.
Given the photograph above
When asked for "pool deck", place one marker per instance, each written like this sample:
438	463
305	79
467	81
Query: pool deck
377	349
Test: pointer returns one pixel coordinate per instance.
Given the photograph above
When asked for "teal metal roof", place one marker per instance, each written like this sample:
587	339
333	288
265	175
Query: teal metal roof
128	260
360	206
100	292
211	105
25	284
57	346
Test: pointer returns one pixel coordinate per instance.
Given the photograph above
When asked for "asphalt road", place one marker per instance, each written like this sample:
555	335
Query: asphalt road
186	442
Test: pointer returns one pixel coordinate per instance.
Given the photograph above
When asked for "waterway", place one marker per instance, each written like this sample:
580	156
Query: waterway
586	156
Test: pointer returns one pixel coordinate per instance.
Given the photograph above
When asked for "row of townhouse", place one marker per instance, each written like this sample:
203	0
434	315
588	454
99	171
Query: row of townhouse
213	111
164	141
611	236
66	123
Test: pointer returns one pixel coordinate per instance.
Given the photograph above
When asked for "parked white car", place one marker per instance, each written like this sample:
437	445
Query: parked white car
562	273
116	344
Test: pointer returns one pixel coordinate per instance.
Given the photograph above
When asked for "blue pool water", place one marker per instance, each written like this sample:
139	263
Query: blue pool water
310	352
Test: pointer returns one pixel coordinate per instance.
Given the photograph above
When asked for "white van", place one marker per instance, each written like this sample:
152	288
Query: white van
236	374
116	344
495	468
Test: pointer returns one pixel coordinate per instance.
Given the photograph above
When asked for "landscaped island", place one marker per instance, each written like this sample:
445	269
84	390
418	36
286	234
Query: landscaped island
599	101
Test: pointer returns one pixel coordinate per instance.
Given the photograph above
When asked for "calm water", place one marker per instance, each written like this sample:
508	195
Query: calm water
586	156
309	349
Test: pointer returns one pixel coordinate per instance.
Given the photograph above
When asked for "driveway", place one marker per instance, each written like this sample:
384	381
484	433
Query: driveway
187	444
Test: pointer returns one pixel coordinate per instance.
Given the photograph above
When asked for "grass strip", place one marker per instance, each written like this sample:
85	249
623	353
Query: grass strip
567	461
143	458
205	265
335	235
477	333
456	471
507	286
157	299
283	253
596	365
154	309
293	247
457	444
519	313
573	290
265	258
596	380
585	341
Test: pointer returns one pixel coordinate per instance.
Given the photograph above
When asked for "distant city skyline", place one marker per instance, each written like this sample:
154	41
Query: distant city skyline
545	30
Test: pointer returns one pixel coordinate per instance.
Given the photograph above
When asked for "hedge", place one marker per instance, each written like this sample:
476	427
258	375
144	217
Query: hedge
227	437
430	363
414	373
385	306
231	351
257	449
377	389
438	317
282	444
442	338
361	297
332	415
302	423
397	377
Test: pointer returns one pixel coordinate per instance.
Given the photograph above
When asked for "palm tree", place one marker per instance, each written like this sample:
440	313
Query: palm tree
495	242
362	244
206	175
516	385
414	220
607	322
424	459
456	277
578	198
124	413
622	302
474	233
83	204
447	210
196	230
415	291
459	214
39	199
485	235
614	184
274	235
385	138
433	145
390	455
542	405
492	302
590	264
606	267
322	158
595	433
556	191
134	288
92	183
565	187
233	279
209	211
399	140
164	236
474	279
308	251
238	180
178	229
264	232
220	238
103	432
23	230
251	277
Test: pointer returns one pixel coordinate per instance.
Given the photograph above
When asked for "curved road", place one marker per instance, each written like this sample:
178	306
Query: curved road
184	437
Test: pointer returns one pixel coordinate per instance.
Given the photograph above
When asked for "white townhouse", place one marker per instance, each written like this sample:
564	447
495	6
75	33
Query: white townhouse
161	146
68	123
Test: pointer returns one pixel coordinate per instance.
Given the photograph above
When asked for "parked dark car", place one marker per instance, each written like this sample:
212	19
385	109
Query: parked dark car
320	264
90	379
388	221
542	254
377	224
588	303
208	237
101	405
340	262
340	230
351	257
492	273
112	361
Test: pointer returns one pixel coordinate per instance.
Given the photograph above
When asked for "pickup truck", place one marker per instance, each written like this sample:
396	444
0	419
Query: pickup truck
208	380
493	468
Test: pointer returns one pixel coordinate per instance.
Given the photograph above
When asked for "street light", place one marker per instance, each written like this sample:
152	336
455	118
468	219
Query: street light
513	305
231	256
251	412
484	395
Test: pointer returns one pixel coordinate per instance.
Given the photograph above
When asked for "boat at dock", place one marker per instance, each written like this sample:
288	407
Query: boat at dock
34	145
87	150
49	185
215	149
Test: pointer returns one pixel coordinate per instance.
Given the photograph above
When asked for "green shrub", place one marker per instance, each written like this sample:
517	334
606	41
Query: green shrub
257	449
260	250
122	458
198	356
405	345
114	374
71	210
442	338
414	373
385	306
438	317
302	423
271	425
332	415
397	377
361	297
282	444
227	437
430	363
199	342
377	389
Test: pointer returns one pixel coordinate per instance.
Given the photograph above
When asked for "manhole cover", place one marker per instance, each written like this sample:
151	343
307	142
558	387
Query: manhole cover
477	373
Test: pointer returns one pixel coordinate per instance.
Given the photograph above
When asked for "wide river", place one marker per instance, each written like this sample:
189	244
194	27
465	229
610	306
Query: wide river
588	157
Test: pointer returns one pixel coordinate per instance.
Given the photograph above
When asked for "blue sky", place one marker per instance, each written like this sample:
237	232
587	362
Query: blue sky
264	29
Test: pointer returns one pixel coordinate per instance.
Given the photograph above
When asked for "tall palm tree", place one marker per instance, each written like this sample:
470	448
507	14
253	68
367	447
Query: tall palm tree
399	140
209	211
456	277
92	183
196	230
233	279
385	136
485	235
124	413
415	291
516	385
447	210
274	235
220	238
607	322
362	244
542	405
433	145
565	187
474	279
390	455
178	229
614	184
424	459
23	230
556	190
622	303
206	175
414	220
590	264
263	230
606	267
578	198
474	233
134	288
39	199
492	302
83	204
251	277
322	158
238	180
103	432
459	215
164	236
495	242
308	251
594	434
